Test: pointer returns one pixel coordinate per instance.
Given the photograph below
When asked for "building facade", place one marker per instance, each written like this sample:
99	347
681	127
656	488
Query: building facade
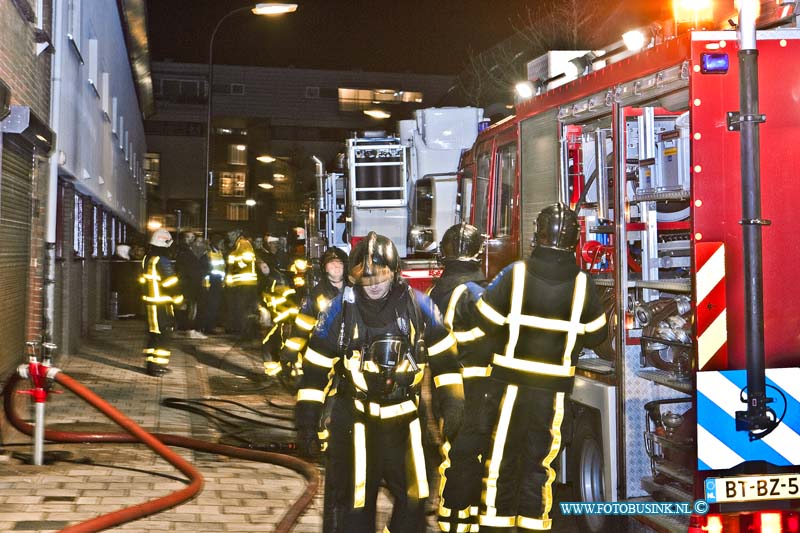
25	144
74	87
100	93
267	123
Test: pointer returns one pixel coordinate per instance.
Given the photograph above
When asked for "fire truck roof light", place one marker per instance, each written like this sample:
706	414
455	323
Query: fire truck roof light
634	40
714	63
524	89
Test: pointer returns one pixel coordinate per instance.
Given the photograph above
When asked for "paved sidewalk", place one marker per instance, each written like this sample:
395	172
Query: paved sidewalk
86	480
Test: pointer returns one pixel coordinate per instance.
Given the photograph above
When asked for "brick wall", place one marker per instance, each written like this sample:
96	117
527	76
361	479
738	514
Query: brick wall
26	73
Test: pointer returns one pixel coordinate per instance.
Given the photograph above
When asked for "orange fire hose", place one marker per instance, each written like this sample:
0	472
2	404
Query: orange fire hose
156	442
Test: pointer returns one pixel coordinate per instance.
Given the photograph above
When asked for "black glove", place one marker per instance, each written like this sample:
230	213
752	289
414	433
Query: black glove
452	409
306	416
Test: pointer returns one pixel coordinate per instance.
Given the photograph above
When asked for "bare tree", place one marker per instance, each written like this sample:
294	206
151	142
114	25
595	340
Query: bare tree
567	24
490	75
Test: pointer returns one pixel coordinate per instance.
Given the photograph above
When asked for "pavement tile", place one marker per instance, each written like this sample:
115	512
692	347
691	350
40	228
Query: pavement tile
238	495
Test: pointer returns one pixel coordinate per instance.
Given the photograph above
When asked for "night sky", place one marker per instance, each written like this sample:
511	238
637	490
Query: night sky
423	36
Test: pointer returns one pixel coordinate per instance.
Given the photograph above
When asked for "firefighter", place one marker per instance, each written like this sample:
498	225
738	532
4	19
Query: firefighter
213	262
455	292
373	339
279	256
299	270
241	283
546	310
278	309
189	268
161	293
332	283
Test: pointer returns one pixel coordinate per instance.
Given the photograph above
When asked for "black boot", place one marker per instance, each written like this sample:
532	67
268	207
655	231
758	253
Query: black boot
156	370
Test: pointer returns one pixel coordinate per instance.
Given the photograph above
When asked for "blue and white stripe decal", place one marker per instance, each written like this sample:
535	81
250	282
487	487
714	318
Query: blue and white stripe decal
720	446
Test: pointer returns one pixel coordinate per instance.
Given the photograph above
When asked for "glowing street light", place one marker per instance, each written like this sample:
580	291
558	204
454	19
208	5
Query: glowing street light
262	8
266	185
250	202
266	159
273	8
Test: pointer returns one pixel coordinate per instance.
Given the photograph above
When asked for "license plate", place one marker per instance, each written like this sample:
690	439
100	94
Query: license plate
752	488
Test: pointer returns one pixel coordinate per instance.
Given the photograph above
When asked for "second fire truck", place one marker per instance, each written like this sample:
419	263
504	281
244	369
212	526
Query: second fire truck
696	393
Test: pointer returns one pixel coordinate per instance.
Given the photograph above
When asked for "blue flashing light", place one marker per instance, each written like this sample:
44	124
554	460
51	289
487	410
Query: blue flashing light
714	63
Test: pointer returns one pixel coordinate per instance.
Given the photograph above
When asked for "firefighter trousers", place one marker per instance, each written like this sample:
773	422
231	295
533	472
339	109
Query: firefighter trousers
160	323
362	452
519	476
462	468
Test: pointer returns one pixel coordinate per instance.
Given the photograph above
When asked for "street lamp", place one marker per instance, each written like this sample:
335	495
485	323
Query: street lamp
262	8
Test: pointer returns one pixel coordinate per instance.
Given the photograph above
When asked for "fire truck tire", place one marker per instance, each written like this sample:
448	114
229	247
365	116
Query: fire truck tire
585	471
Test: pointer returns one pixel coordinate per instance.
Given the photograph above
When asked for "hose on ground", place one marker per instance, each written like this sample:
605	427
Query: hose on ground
156	442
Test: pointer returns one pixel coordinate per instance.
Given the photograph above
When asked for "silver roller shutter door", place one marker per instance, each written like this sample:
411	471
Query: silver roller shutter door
15	231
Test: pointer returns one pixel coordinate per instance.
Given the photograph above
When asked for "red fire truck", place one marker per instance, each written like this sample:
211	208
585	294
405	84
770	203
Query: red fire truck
696	393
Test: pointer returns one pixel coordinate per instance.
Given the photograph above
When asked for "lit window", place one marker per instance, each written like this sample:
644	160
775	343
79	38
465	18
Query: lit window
78	242
106	236
359	99
238	212
96	227
152	168
237	154
113	235
232	183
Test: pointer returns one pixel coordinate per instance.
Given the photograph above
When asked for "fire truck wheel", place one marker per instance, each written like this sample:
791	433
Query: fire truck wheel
585	471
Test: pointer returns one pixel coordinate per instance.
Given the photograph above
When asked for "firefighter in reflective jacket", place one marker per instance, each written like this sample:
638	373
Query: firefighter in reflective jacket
455	292
240	282
299	269
333	282
278	308
374	338
546	310
161	292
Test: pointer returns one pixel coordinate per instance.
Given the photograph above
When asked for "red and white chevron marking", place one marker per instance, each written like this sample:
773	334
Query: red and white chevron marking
711	315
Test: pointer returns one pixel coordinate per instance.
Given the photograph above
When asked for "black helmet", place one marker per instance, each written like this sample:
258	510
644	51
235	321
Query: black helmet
557	228
461	242
373	260
333	254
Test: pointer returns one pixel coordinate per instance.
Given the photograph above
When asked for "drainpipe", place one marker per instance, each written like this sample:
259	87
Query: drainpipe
759	419
52	187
